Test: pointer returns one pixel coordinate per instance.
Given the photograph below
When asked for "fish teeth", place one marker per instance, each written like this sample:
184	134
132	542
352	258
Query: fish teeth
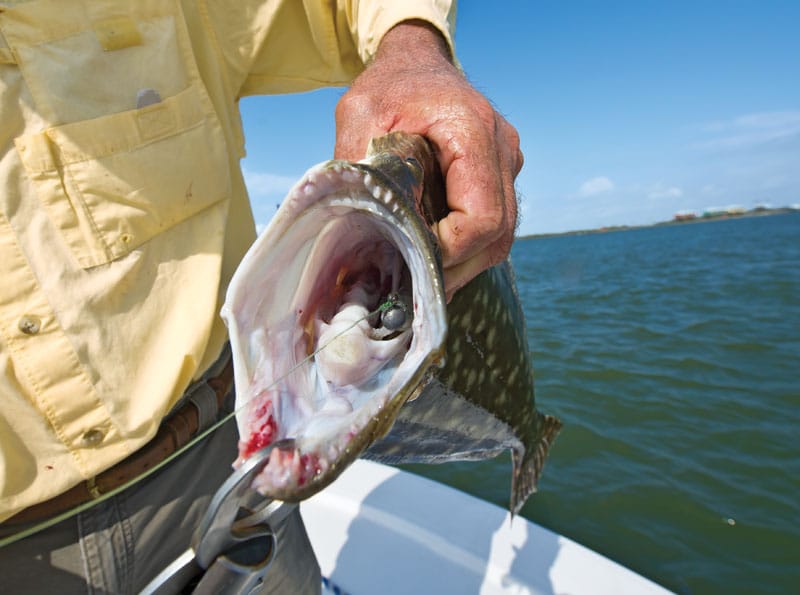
390	200
373	188
350	176
309	188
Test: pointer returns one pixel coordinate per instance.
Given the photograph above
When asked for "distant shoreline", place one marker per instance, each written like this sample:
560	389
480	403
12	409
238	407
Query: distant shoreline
760	212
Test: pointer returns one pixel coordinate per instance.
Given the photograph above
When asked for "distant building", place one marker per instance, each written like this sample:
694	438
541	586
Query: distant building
729	211
685	216
711	212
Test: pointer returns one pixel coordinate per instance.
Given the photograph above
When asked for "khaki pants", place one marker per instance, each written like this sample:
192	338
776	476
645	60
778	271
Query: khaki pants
119	545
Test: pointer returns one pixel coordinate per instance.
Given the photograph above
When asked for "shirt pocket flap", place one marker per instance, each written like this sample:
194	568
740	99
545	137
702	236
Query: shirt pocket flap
112	183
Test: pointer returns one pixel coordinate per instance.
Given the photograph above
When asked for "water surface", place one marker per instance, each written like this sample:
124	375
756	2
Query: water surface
672	354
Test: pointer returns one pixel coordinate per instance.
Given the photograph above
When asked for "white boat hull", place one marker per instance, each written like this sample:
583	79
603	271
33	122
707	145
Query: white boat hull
381	530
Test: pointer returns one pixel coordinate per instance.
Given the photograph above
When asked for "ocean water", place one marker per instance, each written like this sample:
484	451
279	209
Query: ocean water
672	354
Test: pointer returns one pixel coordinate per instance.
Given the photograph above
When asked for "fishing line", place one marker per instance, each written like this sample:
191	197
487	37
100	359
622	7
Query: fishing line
389	303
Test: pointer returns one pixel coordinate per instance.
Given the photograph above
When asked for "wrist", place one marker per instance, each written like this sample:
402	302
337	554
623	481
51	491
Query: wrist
414	41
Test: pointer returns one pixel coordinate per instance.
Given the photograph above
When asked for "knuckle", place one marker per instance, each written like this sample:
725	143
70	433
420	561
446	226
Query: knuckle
511	201
500	250
512	135
490	226
511	139
495	221
485	110
354	105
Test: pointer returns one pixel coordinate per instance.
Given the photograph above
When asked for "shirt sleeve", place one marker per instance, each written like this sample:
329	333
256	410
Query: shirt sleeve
299	45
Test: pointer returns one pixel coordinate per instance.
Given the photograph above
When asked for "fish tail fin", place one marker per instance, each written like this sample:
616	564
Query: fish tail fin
528	464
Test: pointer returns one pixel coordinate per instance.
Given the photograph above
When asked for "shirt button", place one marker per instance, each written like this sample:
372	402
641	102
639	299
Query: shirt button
93	437
30	324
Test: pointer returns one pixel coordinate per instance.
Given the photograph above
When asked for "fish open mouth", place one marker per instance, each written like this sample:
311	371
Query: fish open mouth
335	316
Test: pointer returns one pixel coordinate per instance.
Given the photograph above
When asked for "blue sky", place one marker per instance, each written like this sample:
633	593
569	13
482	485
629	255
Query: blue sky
628	111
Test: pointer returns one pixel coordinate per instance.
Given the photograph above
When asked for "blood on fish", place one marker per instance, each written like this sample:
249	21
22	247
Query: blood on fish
264	409
309	467
265	435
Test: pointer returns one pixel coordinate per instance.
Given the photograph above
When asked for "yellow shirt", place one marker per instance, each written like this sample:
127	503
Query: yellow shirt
120	226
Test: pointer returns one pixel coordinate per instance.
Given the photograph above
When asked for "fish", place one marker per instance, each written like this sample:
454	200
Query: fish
343	341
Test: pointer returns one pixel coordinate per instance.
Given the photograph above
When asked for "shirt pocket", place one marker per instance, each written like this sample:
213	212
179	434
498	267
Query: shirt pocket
132	145
112	183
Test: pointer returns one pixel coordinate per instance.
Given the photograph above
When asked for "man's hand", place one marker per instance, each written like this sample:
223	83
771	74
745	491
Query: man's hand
413	86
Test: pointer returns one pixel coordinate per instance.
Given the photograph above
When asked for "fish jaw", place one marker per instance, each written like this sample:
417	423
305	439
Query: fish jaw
309	364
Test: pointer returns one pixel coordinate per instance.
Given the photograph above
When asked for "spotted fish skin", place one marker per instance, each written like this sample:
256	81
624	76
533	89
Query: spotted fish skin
488	371
494	348
482	401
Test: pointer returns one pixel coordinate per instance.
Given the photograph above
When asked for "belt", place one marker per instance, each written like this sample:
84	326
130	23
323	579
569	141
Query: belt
173	433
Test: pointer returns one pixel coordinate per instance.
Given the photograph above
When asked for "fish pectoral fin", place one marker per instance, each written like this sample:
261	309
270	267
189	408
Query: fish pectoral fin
529	464
442	426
